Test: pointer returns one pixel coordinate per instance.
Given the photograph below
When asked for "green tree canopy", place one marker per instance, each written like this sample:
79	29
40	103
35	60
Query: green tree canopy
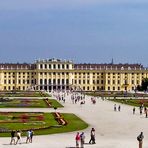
144	85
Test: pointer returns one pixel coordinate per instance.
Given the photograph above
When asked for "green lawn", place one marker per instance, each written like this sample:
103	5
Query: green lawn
132	102
28	103
74	123
115	94
23	94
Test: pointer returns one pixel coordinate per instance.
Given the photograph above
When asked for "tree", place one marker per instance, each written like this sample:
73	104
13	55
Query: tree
144	85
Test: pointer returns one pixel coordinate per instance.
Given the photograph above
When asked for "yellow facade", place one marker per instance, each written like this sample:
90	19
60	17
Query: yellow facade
61	74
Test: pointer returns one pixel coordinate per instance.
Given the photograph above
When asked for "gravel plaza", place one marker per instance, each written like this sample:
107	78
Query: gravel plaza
113	129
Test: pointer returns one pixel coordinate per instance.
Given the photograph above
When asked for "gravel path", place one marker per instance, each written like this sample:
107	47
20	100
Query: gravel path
113	129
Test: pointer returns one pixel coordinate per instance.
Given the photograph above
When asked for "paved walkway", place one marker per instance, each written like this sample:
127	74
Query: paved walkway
113	129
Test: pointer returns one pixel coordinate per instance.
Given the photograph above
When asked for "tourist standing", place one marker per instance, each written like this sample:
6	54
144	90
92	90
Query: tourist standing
140	110
145	111
18	135
12	137
119	108
114	107
31	135
82	139
77	138
92	136
140	139
134	109
28	136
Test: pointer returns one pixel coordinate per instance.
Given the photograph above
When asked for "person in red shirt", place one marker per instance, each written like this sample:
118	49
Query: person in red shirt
77	138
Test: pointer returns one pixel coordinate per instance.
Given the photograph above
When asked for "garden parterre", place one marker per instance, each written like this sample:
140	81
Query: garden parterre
28	103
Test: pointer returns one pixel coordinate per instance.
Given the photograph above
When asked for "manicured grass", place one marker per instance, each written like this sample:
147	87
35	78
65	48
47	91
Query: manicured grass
132	102
74	124
23	94
28	103
115	94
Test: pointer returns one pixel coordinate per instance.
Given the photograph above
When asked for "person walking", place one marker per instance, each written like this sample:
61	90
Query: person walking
119	108
31	135
82	139
28	136
77	138
12	137
18	135
92	136
114	107
140	108
134	109
140	139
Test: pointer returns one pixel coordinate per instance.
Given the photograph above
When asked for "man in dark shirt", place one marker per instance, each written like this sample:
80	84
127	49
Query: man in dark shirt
140	139
12	137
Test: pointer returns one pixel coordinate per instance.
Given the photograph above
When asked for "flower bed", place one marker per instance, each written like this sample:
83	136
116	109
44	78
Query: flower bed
58	117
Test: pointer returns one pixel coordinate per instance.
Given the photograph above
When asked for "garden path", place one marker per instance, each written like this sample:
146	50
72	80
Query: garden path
113	129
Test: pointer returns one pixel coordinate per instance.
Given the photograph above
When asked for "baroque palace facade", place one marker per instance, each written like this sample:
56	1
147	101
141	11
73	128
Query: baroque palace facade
63	74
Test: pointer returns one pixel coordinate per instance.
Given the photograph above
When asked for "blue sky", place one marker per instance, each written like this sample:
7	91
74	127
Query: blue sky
87	31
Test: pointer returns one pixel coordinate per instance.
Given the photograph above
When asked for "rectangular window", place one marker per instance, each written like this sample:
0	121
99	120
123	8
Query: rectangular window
79	81
62	81
54	81
67	81
41	81
23	81
49	81
63	66
67	66
45	66
41	66
132	81
5	81
98	88
58	81
45	81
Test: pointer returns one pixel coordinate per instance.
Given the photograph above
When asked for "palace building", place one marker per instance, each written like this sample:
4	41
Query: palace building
54	74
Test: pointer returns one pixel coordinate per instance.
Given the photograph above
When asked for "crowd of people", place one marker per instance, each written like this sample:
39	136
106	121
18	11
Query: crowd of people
80	139
76	97
16	137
